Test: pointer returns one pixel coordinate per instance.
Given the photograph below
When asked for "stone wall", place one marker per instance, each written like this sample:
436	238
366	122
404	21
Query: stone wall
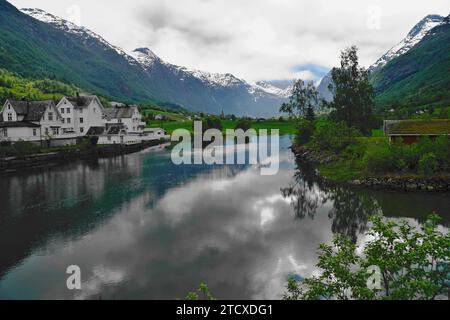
51	159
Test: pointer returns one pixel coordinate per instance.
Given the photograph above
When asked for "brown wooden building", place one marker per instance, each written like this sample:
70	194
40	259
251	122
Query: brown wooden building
410	131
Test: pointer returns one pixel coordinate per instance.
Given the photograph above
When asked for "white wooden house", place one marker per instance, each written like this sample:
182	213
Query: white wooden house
80	113
29	121
128	116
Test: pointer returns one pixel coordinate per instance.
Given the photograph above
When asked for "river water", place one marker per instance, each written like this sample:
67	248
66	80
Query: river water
140	227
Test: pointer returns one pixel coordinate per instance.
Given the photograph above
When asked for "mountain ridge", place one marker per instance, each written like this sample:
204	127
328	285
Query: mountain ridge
414	36
152	64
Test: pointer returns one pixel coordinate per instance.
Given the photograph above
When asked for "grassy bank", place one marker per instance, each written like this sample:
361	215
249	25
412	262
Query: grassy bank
285	127
357	157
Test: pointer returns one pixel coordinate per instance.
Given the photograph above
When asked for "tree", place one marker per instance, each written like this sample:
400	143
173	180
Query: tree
303	101
354	96
243	124
401	262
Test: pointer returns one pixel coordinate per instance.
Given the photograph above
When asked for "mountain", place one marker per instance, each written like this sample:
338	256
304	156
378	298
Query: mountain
207	92
420	76
37	44
417	33
414	37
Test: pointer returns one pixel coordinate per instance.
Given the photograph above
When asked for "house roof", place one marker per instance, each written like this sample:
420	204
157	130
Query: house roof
81	101
18	124
95	131
418	127
31	110
119	112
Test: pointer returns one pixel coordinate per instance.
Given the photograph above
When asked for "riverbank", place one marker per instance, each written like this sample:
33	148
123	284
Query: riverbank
12	164
337	170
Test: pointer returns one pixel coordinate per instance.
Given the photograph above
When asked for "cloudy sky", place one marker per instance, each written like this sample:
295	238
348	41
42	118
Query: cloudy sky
253	39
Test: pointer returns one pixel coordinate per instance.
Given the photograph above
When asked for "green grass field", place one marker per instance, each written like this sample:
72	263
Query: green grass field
284	127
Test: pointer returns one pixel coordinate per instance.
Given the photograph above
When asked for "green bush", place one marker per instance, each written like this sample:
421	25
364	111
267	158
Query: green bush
305	132
334	137
379	158
243	124
428	164
25	148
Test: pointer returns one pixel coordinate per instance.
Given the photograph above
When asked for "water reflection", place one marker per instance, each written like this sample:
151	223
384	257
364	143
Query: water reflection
350	209
140	227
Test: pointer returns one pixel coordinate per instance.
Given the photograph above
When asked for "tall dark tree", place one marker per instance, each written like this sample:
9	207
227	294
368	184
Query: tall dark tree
303	101
353	101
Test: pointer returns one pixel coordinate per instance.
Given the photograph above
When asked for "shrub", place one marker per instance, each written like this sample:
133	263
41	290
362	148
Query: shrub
243	124
305	132
25	148
428	164
379	158
335	137
212	122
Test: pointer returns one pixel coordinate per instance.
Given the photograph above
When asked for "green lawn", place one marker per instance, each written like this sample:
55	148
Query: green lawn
284	127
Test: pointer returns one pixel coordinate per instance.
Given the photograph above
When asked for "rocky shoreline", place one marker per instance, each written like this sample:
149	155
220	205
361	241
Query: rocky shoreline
399	183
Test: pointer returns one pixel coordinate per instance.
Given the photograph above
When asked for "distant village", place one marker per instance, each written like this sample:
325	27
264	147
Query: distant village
52	125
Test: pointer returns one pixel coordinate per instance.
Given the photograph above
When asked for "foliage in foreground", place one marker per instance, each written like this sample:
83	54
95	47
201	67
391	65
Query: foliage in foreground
400	262
204	291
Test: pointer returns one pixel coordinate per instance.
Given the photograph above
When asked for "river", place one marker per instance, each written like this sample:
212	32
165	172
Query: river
140	227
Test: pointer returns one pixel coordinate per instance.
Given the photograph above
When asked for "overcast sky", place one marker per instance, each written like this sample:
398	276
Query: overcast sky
253	39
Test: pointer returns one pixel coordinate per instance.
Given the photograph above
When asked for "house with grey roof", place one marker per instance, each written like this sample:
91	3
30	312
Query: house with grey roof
29	121
128	116
80	113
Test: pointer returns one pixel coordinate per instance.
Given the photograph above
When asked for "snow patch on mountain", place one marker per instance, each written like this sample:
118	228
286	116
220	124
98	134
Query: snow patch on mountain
267	87
147	59
72	28
416	34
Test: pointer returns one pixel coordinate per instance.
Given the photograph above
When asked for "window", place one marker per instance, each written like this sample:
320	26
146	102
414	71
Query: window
68	120
81	120
68	110
50	116
81	130
63	120
55	131
5	132
9	116
34	132
46	131
62	110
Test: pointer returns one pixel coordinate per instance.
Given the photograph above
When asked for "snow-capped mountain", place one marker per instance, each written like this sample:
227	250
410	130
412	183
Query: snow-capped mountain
267	87
72	28
193	89
148	59
417	33
414	37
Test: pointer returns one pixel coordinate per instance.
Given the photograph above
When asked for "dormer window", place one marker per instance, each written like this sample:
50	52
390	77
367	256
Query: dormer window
50	116
9	116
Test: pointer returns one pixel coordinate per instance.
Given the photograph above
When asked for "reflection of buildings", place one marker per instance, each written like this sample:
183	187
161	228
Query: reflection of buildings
66	201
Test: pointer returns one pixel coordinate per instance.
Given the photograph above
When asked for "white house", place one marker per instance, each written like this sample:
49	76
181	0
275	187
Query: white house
80	113
155	132
128	116
29	121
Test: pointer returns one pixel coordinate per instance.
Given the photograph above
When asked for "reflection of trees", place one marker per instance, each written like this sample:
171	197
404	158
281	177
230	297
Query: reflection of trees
350	210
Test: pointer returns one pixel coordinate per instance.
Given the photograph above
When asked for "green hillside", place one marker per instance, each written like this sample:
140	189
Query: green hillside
418	78
13	86
37	50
